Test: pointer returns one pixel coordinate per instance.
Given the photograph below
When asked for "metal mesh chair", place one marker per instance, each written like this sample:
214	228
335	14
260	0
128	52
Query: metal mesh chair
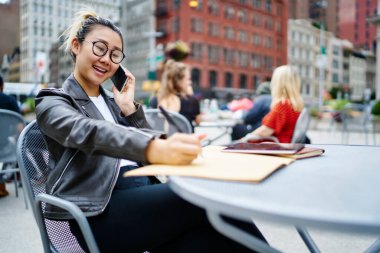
158	122
11	125
356	118
33	158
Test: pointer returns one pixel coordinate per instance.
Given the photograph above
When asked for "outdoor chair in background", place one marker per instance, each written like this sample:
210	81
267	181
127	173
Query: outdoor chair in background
33	159
11	125
302	125
356	118
158	122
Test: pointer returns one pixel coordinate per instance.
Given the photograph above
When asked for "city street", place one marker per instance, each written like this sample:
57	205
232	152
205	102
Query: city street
19	233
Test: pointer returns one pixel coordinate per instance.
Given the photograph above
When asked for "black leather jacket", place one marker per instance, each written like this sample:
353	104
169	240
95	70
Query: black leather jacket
85	149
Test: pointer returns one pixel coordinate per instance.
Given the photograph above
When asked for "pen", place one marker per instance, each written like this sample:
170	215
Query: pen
169	119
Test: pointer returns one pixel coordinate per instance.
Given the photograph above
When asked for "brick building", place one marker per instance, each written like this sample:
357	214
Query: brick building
347	19
234	44
9	27
298	9
355	27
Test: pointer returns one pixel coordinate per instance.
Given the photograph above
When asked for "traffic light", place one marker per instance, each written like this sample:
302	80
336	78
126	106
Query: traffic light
193	3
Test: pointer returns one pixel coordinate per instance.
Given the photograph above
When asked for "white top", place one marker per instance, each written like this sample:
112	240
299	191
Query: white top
105	111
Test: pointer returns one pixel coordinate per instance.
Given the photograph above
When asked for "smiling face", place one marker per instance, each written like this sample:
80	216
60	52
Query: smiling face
91	70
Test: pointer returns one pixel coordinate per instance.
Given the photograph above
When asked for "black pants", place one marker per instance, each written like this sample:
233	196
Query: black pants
151	217
240	130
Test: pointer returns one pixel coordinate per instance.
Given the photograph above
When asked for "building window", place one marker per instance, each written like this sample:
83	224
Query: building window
255	60
256	20
268	62
268	43
213	78
243	36
229	12
196	77
242	16
229	33
243	59
243	81
213	29
336	50
213	7
228	79
196	51
228	56
256	3
335	78
269	23
335	64
213	54
256	39
196	25
268	5
176	4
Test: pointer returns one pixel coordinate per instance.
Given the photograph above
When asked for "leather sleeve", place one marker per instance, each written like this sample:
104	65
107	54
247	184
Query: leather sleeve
68	126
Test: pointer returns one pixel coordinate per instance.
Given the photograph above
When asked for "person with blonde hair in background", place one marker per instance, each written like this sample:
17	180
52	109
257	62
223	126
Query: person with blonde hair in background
286	106
94	136
176	93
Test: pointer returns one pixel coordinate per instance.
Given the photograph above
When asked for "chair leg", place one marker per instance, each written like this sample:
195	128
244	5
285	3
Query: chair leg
25	198
310	244
15	182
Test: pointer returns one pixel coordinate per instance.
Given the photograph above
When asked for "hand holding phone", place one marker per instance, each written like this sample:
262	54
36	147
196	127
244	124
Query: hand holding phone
124	90
120	79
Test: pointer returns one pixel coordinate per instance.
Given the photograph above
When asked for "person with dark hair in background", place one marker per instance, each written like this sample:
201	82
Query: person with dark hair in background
8	103
254	117
95	135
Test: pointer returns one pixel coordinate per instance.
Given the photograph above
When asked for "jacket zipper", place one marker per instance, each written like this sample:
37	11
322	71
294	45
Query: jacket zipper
63	172
108	196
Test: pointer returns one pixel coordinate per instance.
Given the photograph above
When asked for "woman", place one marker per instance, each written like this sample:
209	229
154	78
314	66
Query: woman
286	106
94	136
176	93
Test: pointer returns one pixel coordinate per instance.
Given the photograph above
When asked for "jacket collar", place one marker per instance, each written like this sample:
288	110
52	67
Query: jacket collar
73	88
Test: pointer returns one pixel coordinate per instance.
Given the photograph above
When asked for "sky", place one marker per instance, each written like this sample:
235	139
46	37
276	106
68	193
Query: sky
3	1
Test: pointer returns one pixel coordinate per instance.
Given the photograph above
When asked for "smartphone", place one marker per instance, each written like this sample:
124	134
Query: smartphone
119	79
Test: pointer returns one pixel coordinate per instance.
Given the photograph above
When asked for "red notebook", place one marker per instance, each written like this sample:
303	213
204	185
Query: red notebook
306	152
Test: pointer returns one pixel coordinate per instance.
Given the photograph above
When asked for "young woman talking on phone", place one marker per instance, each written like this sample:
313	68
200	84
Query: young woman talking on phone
95	135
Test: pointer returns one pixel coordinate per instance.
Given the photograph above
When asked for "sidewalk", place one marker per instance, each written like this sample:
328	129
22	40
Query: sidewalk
19	232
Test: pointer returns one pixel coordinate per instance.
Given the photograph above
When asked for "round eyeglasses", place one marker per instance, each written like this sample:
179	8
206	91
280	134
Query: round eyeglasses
99	48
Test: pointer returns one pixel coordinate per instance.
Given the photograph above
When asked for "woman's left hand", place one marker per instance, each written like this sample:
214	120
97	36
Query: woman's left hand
125	98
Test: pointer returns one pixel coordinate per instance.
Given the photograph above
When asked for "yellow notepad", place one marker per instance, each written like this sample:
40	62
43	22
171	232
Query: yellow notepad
215	164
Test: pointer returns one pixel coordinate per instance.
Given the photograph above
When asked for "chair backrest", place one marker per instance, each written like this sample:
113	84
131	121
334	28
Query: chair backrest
302	125
158	122
33	158
11	125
